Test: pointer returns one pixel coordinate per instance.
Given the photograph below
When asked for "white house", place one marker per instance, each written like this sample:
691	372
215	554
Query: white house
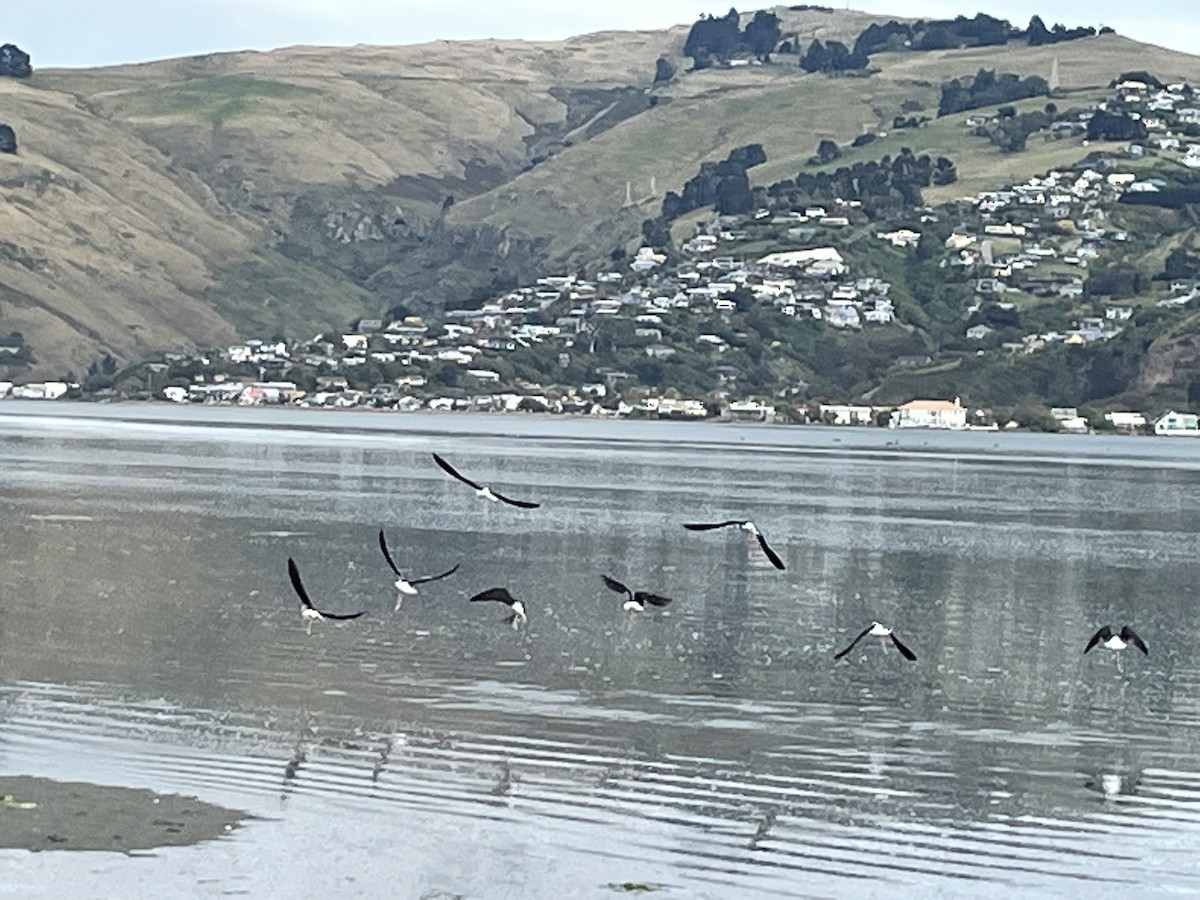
930	414
839	414
1126	421
1176	424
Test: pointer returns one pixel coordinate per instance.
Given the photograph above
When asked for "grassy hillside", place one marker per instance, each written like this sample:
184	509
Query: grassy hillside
190	201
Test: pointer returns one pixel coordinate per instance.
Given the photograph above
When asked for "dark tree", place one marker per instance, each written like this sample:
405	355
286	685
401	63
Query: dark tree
891	36
712	39
656	232
1109	126
1037	33
8	139
663	70
733	195
1137	75
762	34
14	62
831	57
827	152
986	88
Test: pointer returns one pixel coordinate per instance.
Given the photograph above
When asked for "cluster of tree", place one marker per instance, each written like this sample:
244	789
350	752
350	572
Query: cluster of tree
1115	280
1038	34
941	34
947	34
1137	75
1011	133
832	57
14	62
8	139
908	122
15	352
1115	126
1168	197
723	185
885	185
988	89
1180	263
714	40
827	152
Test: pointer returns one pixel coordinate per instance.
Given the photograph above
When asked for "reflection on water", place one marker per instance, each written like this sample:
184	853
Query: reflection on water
150	638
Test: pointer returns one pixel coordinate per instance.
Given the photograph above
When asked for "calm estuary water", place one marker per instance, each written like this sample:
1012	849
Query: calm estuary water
149	640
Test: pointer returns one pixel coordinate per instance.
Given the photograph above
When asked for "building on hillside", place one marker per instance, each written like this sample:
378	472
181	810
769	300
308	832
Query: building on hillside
930	414
1177	424
1126	421
839	414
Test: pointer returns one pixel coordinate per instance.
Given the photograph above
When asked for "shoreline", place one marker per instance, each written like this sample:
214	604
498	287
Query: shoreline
381	425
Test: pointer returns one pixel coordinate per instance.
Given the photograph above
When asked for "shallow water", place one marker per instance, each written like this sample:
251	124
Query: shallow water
150	640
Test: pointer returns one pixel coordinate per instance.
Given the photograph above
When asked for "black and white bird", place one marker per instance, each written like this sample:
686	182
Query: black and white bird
881	632
405	585
308	612
501	595
482	490
1105	638
747	526
637	600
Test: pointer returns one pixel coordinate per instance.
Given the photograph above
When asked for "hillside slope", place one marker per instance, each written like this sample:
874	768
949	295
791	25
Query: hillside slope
186	202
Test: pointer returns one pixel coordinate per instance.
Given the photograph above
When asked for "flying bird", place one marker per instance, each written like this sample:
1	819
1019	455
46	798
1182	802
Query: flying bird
482	490
1106	638
637	599
881	632
747	526
501	595
404	585
308	612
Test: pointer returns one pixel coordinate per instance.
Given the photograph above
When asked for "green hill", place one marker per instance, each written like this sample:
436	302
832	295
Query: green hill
187	202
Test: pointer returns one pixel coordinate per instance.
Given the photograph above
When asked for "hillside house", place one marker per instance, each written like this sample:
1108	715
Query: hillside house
930	414
841	414
1177	424
1126	421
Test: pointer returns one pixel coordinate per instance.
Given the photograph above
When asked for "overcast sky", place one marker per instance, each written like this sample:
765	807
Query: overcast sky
95	32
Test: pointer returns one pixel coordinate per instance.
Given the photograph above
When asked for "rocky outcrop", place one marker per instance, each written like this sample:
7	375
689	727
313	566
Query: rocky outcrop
14	62
8	139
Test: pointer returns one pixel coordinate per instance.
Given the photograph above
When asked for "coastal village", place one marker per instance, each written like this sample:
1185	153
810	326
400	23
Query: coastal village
1026	243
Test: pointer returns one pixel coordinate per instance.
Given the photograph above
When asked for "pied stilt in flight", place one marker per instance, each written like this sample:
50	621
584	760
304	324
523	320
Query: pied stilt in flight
482	490
308	612
637	600
747	526
881	632
405	585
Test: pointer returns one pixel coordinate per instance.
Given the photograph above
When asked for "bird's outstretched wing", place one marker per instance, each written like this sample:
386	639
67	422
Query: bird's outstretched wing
652	599
1102	635
1129	636
297	584
522	504
708	526
614	585
862	634
771	554
387	555
434	577
904	651
498	594
454	473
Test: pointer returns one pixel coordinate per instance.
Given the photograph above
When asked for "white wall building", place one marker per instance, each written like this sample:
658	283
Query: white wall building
930	414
